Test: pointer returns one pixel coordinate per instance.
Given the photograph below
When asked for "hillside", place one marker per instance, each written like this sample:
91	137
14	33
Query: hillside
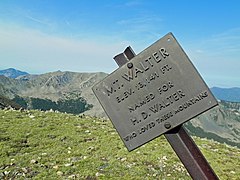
7	103
53	87
221	123
40	145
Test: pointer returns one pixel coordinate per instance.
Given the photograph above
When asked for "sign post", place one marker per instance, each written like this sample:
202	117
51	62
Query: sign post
154	94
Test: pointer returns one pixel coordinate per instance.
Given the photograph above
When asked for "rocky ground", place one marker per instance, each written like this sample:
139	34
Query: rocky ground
53	145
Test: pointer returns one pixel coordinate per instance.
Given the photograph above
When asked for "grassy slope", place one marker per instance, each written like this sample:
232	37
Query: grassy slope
39	145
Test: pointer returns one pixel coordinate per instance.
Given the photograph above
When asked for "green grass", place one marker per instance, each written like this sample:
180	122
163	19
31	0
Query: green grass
48	145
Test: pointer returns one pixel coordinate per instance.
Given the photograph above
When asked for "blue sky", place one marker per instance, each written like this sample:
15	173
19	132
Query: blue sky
80	35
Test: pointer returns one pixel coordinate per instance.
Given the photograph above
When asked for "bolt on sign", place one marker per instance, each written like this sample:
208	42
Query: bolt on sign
156	91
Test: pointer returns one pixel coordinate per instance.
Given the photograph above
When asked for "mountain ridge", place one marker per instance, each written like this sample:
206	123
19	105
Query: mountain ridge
55	86
227	94
12	73
221	124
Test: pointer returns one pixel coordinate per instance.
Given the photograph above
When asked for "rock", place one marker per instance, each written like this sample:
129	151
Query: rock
6	172
164	158
85	157
32	116
24	170
123	159
73	176
74	159
68	164
55	167
99	174
33	161
59	173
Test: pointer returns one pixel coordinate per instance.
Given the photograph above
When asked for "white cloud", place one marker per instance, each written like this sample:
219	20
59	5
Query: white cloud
218	58
38	52
36	20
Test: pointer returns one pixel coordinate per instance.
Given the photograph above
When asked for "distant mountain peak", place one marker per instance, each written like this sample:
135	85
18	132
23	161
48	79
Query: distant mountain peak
227	94
12	73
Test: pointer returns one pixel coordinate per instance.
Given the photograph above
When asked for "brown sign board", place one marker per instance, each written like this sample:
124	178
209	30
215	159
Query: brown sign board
156	91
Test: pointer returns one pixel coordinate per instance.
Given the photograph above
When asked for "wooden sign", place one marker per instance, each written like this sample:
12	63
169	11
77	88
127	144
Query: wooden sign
156	91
